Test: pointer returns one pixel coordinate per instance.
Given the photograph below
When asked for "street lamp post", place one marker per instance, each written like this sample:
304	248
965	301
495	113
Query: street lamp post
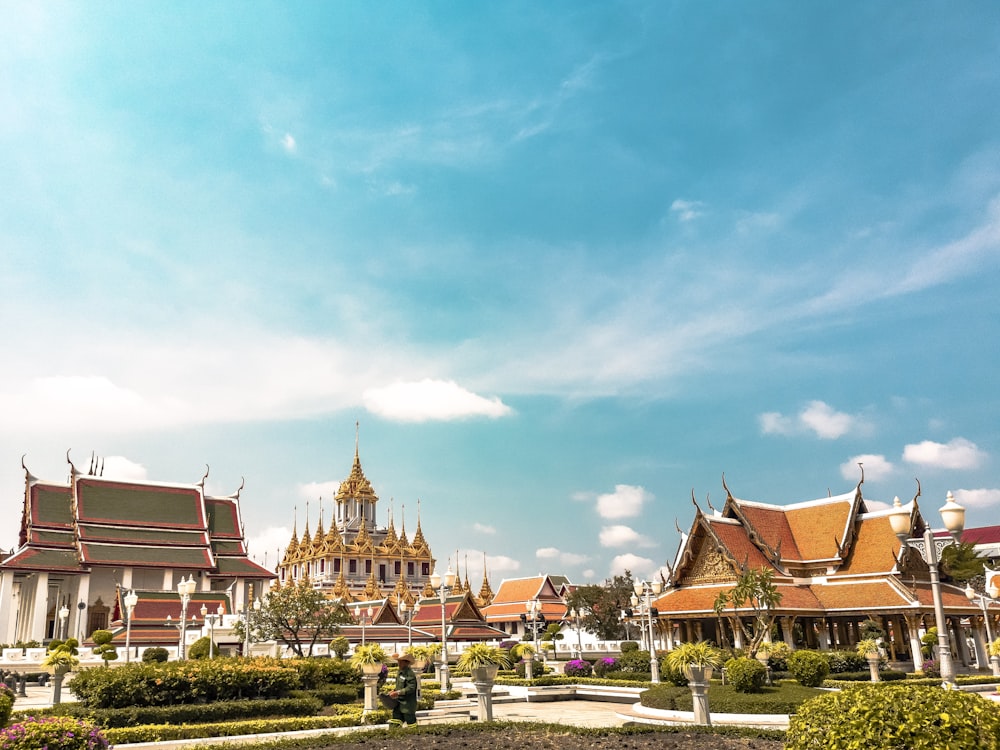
131	599
646	590
408	612
185	588
534	608
953	516
246	620
210	620
984	601
361	618
443	586
574	615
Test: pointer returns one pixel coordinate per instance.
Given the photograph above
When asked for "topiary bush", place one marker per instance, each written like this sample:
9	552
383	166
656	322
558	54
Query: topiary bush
845	661
54	733
746	675
627	646
200	648
155	655
634	661
6	704
808	667
673	675
578	668
604	665
914	717
777	656
103	646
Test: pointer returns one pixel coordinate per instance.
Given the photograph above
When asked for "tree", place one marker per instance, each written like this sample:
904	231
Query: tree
960	563
755	590
297	615
103	646
600	607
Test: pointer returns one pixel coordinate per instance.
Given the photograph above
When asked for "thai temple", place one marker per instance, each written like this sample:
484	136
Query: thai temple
355	559
85	541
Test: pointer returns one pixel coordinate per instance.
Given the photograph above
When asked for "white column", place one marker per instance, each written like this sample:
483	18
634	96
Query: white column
913	630
168	580
127	578
979	641
787	624
80	615
7	610
39	608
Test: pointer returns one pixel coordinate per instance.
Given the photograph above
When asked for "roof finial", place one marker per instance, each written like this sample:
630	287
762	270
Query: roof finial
236	495
28	477
72	469
862	465
708	499
693	501
677	526
725	486
918	491
202	482
357	437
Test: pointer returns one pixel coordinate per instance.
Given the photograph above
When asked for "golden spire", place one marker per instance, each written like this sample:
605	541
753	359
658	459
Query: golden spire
485	591
419	543
356	485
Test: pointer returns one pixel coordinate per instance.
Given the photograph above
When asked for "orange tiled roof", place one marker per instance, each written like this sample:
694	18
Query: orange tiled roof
819	527
951	597
518	589
772	525
734	537
860	595
875	548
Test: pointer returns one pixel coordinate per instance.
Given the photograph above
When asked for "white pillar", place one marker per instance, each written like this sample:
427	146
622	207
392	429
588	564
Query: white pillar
787	625
79	616
127	578
8	611
913	627
39	608
979	641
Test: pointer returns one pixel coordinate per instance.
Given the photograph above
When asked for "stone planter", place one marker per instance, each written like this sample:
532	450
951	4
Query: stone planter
375	668
873	667
483	678
486	673
698	677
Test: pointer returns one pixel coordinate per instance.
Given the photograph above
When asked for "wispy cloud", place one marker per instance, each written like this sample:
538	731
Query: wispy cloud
288	143
958	453
431	400
562	558
482	528
686	210
639	566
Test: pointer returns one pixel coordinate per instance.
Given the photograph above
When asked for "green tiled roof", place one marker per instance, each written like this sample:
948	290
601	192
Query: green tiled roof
49	537
44	559
135	504
160	557
227	548
51	506
223	519
95	533
241	566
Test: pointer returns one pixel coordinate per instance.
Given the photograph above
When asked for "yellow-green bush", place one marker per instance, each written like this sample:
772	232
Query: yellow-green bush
808	667
895	716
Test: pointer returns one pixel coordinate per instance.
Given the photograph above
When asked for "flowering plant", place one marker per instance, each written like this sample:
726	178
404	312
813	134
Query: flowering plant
578	668
931	668
55	733
6	704
604	665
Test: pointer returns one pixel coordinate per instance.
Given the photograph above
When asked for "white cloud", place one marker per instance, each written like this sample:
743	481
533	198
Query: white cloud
623	536
774	423
315	490
428	400
817	417
625	502
958	453
483	528
824	421
588	574
288	143
564	558
687	210
981	498
501	563
876	467
119	467
547	553
639	566
267	546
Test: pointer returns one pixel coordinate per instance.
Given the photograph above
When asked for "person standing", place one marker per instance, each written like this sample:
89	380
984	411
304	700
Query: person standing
405	711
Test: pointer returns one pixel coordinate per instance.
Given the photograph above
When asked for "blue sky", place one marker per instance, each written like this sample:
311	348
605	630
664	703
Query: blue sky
564	262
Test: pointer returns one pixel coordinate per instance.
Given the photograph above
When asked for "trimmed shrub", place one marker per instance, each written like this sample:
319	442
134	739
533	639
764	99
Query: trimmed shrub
777	656
155	655
55	733
746	675
634	661
199	649
578	668
317	672
904	716
672	675
627	646
6	704
808	667
845	661
604	665
886	675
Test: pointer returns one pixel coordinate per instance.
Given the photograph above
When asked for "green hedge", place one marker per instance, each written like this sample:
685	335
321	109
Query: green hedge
350	717
914	717
784	699
331	694
139	684
888	675
183	713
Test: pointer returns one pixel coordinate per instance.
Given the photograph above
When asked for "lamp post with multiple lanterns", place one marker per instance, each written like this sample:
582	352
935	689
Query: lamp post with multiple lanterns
362	616
574	615
131	599
408	612
185	589
443	587
644	592
930	548
63	619
210	619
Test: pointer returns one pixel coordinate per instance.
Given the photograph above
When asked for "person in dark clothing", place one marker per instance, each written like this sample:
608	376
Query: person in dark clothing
404	712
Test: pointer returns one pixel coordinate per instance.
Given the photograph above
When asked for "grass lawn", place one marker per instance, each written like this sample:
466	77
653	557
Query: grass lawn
783	698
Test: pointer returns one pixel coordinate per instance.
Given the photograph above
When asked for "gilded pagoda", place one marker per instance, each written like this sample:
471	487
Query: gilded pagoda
355	559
